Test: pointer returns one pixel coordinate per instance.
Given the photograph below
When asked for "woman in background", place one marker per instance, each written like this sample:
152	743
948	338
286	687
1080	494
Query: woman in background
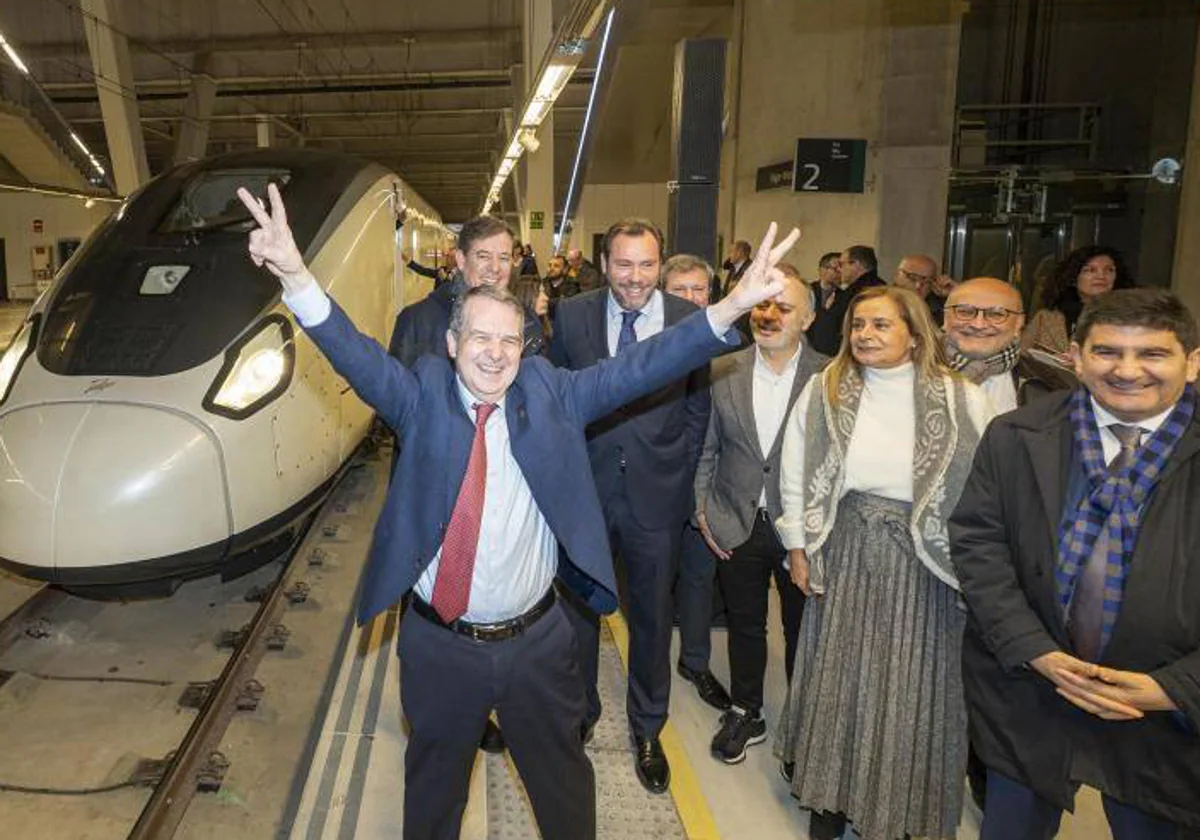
1086	273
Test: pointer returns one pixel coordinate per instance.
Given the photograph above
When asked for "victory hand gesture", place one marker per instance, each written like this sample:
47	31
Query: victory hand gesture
271	244
761	281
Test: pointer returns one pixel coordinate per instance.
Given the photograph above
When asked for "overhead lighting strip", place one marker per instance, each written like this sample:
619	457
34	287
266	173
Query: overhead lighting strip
583	134
561	62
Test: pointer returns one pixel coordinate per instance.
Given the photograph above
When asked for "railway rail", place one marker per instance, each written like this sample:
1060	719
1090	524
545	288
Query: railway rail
207	641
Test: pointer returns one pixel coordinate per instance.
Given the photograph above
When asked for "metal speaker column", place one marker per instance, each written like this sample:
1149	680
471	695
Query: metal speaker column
699	100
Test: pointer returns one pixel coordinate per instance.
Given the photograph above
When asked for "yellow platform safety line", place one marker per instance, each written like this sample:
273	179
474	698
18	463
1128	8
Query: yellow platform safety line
698	822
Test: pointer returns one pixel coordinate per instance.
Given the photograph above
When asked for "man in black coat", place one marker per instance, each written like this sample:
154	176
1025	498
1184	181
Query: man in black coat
484	256
858	269
643	458
1075	541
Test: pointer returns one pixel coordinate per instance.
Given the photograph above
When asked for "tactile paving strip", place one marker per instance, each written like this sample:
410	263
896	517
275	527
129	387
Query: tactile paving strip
624	810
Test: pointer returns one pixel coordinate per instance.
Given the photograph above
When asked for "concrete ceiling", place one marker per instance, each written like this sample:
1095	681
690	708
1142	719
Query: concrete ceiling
418	86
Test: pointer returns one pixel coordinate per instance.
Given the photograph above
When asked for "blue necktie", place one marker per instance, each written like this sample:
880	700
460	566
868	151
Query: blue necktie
627	335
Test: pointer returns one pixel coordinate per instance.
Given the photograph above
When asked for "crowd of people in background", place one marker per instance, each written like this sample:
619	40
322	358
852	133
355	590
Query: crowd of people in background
981	574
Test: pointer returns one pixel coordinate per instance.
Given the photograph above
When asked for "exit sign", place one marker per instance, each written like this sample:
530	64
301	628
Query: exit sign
830	165
537	219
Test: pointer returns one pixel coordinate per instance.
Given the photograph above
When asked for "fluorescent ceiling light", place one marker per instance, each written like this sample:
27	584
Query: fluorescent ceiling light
553	81
13	57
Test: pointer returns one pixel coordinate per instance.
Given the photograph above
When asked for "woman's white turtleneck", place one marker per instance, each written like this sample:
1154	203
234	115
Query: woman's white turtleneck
879	459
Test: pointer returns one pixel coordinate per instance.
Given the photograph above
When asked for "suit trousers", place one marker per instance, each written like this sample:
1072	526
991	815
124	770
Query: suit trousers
1015	812
694	599
449	684
646	569
745	579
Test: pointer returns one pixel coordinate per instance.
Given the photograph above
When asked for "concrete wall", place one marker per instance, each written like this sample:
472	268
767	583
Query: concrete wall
602	204
62	218
880	70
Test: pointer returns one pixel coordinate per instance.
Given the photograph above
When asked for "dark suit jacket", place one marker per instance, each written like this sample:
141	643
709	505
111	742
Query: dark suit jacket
732	276
547	410
420	327
658	437
734	469
825	332
1004	542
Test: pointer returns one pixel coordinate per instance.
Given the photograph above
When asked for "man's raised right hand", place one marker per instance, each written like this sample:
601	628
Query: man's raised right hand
271	243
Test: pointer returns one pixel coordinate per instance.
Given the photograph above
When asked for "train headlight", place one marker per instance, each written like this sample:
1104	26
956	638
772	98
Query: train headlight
257	369
10	362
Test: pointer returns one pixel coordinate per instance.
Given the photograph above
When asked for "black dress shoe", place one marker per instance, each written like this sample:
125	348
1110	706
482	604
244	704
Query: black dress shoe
493	739
707	686
651	762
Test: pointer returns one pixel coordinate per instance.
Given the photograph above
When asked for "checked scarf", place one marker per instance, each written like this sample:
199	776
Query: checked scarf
980	370
1114	502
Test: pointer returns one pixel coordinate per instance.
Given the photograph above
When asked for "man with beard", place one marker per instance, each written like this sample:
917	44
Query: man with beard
557	284
738	500
983	323
643	459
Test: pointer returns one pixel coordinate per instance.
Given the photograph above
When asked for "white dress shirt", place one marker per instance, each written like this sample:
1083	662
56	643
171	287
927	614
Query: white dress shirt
649	323
770	399
517	554
1109	442
1001	390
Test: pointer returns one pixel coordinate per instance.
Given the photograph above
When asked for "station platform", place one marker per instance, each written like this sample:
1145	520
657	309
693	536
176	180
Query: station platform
323	757
355	785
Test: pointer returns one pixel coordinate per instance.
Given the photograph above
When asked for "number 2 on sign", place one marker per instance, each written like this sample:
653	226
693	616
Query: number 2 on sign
814	172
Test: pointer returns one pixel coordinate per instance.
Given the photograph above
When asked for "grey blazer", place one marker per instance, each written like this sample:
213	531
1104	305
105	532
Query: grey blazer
733	469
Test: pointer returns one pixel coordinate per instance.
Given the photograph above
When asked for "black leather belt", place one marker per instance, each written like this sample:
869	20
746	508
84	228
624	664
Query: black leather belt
494	632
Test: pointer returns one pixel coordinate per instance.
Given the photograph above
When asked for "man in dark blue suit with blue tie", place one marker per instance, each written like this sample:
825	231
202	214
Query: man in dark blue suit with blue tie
643	458
493	473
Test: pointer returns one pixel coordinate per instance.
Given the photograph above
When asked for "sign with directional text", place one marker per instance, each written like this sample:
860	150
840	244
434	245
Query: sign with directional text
830	165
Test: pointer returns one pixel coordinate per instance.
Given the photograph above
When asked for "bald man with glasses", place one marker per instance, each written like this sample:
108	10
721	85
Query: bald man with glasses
983	322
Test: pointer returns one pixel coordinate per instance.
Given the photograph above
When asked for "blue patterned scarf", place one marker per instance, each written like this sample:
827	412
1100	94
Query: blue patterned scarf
1113	502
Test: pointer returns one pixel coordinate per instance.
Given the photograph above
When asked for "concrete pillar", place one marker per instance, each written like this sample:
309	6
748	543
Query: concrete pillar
880	70
192	141
1185	274
537	216
118	99
264	131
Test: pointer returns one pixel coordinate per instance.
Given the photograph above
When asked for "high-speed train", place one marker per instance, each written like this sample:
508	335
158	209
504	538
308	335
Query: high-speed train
162	416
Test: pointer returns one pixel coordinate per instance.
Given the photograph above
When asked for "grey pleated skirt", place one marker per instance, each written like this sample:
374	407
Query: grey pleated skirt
875	719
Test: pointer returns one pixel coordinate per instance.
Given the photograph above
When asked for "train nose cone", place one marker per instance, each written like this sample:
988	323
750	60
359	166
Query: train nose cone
93	485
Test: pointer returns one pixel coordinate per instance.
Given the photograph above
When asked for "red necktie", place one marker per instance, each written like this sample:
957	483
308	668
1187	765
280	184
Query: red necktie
452	588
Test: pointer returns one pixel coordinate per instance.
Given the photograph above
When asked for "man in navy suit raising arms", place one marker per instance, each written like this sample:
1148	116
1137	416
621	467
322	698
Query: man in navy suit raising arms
493	474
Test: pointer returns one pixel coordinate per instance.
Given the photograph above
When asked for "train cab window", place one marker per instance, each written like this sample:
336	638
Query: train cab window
209	201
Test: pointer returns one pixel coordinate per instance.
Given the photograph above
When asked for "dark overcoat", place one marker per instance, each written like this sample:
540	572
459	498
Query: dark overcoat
1004	536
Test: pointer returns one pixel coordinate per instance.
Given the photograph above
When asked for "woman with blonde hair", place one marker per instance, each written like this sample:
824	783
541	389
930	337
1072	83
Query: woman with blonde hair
875	455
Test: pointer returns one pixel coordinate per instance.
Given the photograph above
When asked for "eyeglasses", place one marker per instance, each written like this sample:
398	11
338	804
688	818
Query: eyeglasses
916	278
993	315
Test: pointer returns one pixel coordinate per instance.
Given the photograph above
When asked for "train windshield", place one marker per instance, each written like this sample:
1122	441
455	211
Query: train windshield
209	200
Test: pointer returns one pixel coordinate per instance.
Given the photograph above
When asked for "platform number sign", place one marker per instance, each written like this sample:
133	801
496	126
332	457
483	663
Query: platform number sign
828	165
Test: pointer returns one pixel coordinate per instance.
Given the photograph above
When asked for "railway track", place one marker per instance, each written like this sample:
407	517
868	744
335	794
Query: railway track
96	698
